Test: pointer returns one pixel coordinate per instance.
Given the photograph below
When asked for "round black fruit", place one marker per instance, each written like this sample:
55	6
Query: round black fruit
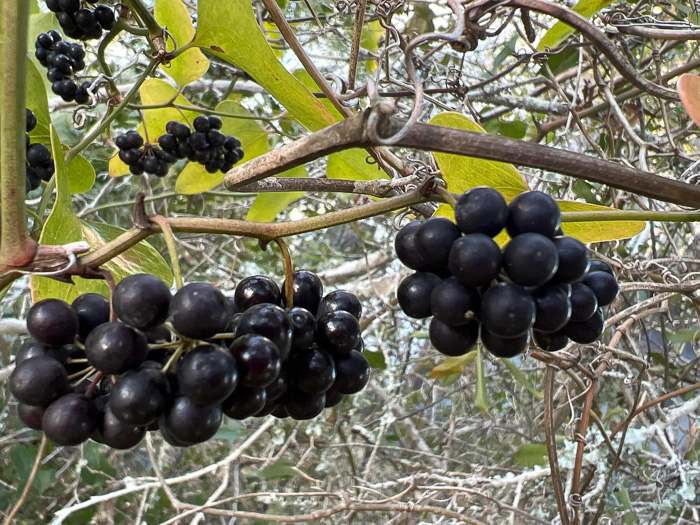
38	381
258	360
338	332
270	321
553	308
31	349
92	310
256	289
303	328
207	374
307	288
190	422
414	294
434	239
113	432
505	347
583	302
199	311
533	212
453	340
586	331
601	266
407	249
52	322
70	420
530	259
142	300
278	387
313	370
333	398
114	348
453	303
574	260
550	342
481	210
351	373
475	259
140	396
302	406
340	300
604	287
244	402
31	415
507	310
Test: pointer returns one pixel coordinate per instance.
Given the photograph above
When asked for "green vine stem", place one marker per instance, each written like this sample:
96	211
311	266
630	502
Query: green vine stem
16	246
288	273
630	215
162	222
446	196
146	17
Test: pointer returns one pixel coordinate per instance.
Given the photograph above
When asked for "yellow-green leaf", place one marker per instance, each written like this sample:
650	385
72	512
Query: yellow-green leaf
352	164
530	455
480	399
453	365
268	205
38	103
303	76
521	378
230	31
559	31
192	64
598	231
81	175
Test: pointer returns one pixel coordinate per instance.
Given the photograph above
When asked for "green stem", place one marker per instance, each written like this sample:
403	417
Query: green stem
98	129
446	196
45	197
14	240
146	17
172	248
630	215
109	37
177	52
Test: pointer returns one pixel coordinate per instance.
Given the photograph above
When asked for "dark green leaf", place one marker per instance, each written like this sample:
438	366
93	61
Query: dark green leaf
375	359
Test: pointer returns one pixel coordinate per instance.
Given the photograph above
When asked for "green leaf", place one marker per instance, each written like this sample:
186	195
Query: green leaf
230	31
231	431
508	50
81	175
480	399
375	360
38	103
521	378
192	64
268	205
303	76
683	336
282	468
515	129
558	33
530	455
453	365
22	458
598	231
623	497
352	164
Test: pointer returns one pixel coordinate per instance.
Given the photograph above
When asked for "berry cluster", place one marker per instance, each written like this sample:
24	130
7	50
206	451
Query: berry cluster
541	282
82	23
39	162
205	145
82	376
63	60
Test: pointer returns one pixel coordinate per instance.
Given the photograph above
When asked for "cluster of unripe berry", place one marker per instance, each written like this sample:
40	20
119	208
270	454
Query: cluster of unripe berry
81	376
82	23
205	145
542	285
63	61
39	162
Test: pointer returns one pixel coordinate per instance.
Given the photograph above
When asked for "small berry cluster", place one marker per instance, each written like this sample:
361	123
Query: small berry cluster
63	60
82	23
39	162
541	282
244	356
206	145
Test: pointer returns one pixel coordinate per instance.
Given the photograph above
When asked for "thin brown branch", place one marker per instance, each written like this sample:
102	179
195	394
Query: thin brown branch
30	481
356	38
552	444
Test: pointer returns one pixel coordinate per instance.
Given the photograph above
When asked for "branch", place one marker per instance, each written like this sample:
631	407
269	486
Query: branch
353	132
16	246
376	188
552	444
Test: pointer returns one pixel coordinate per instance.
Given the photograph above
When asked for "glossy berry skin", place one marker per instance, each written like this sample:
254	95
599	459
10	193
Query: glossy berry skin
574	260
270	321
507	310
475	259
351	373
414	294
140	396
116	434
451	302
31	349
530	259
258	360
601	266
244	402
308	290
505	347
280	412
199	311
38	381
434	239
302	406
114	348
207	374
553	308
550	342
583	302
256	289
31	415
92	310
340	300
586	331
481	210
303	328
279	386
407	250
453	340
52	322
313	370
533	212
189	422
142	301
333	398
604	287
338	332
70	420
